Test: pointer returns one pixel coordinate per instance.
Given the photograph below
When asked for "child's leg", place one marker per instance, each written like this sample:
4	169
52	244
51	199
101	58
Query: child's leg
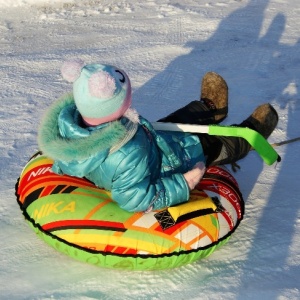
221	150
212	107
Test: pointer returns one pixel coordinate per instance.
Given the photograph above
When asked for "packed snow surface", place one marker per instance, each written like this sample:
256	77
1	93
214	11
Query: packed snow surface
166	47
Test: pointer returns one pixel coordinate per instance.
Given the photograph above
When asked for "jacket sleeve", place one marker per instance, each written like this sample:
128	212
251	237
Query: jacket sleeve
133	189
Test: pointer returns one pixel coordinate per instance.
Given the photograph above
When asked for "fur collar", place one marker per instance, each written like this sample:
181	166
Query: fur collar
54	146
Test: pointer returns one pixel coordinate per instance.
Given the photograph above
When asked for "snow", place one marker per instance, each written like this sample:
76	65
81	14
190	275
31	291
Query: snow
165	47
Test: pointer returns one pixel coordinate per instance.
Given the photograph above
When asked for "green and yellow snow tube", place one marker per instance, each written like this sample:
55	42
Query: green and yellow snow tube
77	218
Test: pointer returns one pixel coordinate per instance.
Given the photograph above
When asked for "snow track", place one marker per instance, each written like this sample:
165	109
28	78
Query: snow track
165	47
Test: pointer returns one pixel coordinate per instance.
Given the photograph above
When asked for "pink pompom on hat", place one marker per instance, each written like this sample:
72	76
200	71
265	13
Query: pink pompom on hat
102	93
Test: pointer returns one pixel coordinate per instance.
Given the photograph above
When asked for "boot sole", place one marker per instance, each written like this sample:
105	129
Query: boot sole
214	89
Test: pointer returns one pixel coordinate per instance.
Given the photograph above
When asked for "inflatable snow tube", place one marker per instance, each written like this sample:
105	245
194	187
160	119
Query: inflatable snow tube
79	219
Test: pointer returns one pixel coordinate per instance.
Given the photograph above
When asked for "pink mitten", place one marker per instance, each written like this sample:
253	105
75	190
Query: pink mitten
193	177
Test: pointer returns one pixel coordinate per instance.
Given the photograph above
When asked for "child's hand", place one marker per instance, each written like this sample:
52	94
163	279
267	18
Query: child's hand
193	177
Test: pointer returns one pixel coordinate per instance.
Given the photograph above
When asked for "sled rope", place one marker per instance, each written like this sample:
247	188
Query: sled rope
255	139
285	142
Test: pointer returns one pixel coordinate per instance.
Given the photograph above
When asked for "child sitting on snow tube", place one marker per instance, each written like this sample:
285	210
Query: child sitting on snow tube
94	133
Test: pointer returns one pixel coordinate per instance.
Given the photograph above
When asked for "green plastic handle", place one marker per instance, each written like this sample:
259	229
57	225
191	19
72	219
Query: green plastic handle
256	140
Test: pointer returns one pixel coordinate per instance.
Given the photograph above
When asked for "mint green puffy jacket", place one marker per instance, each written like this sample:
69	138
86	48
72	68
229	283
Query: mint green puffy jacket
142	168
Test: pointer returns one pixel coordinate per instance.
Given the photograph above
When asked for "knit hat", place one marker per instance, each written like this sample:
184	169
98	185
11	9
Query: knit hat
102	93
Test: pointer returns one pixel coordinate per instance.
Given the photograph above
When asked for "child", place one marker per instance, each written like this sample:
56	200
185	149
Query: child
94	133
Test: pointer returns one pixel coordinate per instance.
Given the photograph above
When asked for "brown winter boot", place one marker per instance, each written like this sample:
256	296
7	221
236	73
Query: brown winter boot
212	107
214	93
264	119
222	150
